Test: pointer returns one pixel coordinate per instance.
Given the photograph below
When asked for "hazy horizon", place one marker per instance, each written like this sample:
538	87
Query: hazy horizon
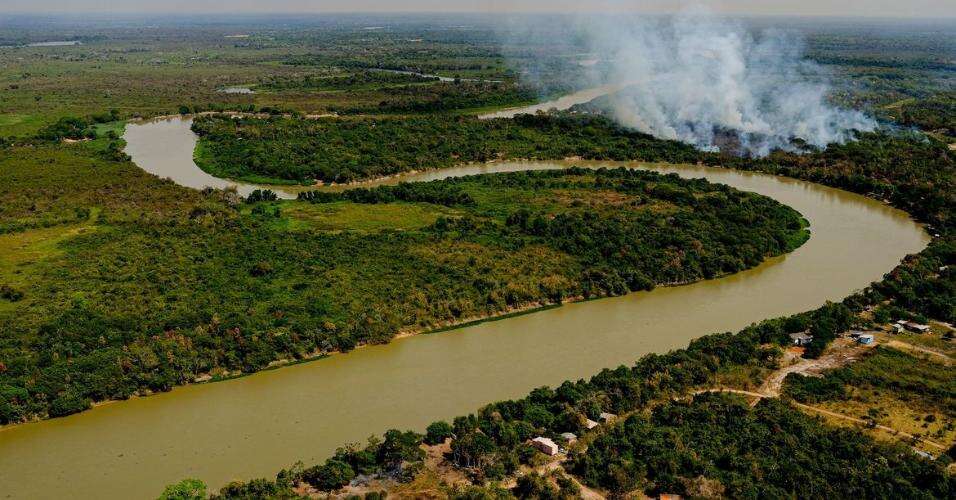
851	8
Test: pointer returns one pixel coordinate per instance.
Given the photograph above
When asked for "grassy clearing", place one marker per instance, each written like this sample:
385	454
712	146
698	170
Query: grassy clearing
10	119
22	253
910	392
346	216
886	408
933	341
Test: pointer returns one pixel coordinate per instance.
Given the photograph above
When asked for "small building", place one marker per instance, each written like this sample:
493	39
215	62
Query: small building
607	418
569	437
911	326
545	445
801	339
590	424
915	327
865	339
924	454
898	328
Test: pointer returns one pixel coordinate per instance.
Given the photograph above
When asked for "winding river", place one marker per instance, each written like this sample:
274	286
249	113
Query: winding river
253	426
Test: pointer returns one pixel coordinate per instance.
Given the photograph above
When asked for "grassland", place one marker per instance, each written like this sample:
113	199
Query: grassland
908	391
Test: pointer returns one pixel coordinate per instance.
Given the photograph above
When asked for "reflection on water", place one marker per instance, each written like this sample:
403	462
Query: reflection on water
253	426
164	147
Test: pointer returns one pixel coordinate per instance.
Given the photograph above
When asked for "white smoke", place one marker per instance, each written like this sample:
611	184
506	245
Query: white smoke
694	76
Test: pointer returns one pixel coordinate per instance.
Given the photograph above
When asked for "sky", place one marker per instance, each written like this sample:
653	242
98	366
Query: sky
852	8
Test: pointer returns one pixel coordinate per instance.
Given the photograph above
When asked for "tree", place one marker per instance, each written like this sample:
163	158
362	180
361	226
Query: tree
330	476
438	432
187	489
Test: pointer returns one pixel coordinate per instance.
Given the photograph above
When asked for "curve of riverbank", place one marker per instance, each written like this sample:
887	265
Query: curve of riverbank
252	426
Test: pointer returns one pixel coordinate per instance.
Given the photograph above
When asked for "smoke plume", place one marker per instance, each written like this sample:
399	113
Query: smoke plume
698	78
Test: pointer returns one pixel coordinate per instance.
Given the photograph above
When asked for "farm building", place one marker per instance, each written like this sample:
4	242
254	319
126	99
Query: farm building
865	339
913	327
590	424
801	339
569	437
545	445
607	418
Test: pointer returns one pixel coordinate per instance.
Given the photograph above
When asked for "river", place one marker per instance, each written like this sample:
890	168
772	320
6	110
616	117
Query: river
253	426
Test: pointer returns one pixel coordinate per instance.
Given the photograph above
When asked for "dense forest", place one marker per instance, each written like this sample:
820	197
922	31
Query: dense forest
160	285
340	150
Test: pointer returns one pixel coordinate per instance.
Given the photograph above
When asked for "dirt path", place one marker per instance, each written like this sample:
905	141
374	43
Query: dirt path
903	346
842	353
841	416
867	423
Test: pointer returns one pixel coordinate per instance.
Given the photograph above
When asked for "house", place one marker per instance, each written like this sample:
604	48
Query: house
545	445
914	327
607	418
800	339
898	328
918	328
569	437
865	339
590	424
924	454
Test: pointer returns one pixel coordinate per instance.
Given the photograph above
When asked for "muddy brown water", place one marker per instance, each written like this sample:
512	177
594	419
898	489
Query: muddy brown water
253	426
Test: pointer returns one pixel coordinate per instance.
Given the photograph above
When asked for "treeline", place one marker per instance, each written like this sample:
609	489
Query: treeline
916	63
360	79
439	193
454	57
397	455
444	97
75	127
340	150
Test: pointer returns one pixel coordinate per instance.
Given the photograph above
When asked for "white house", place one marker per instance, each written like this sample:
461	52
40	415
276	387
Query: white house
545	445
590	424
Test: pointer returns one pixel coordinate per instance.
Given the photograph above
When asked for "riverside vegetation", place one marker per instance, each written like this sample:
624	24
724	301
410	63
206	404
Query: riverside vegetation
334	150
147	285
